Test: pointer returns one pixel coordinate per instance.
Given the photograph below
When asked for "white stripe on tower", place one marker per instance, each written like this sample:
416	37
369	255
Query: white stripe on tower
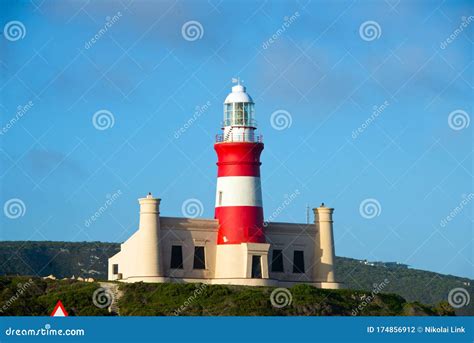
238	191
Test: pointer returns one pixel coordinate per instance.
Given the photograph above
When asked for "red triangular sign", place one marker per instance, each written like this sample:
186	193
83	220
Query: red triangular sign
59	310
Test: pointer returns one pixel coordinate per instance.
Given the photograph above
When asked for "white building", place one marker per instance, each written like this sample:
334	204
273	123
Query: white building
236	247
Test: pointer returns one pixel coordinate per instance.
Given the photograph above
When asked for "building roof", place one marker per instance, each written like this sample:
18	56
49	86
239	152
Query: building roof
238	94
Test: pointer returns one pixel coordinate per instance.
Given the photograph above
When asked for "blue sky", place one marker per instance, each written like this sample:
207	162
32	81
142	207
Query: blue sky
323	69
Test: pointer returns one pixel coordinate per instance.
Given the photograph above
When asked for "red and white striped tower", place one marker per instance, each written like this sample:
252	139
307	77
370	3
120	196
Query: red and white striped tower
239	195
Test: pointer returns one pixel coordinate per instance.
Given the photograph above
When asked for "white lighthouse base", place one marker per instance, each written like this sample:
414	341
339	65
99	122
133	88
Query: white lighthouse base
225	264
234	264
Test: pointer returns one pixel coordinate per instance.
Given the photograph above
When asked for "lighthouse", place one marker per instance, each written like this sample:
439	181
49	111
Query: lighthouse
234	247
241	246
239	194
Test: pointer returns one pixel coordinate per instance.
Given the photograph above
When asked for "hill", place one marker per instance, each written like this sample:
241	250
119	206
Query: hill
37	297
62	259
412	284
25	296
89	259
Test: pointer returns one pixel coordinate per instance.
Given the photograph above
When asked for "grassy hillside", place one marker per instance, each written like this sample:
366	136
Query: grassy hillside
89	259
38	297
62	259
412	284
216	300
24	296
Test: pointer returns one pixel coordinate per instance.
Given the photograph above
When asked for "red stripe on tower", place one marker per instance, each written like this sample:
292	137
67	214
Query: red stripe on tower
238	159
238	194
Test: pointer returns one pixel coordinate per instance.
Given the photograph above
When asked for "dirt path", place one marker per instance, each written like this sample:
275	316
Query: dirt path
116	293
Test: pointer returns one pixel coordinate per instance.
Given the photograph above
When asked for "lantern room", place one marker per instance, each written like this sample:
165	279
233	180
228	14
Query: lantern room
239	108
239	123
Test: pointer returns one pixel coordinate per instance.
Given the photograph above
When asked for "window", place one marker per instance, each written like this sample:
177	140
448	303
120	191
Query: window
277	261
199	258
220	198
256	267
115	269
246	114
298	261
239	113
227	114
176	257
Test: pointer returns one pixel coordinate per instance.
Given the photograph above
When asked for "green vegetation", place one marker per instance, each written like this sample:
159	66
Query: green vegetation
412	284
89	259
142	299
38	298
62	259
24	296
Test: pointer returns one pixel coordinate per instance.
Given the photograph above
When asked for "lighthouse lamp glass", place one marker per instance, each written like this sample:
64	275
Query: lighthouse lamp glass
239	114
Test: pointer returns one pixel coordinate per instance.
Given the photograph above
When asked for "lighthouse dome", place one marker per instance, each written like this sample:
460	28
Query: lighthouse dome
238	94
